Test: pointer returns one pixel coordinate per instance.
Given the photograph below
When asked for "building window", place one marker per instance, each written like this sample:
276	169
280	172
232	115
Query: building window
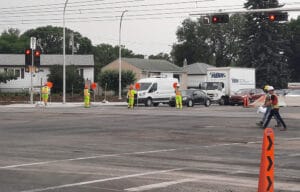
17	72
22	73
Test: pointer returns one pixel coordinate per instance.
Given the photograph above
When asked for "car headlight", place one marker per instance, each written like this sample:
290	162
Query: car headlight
142	94
184	98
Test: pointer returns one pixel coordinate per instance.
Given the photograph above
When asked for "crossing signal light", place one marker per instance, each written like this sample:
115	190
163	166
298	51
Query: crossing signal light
279	16
37	58
220	18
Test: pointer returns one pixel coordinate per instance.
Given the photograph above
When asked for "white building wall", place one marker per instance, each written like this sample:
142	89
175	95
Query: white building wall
40	78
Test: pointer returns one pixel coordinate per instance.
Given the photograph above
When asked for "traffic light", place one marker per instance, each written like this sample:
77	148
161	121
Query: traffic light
28	59
278	16
37	60
220	18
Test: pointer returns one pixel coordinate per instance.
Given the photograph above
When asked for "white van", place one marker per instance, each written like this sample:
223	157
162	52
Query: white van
156	90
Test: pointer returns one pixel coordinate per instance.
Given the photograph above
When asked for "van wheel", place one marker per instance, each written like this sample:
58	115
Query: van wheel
190	103
148	102
207	103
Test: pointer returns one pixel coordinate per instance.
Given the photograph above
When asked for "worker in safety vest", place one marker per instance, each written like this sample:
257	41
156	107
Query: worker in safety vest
45	93
178	97
86	94
130	94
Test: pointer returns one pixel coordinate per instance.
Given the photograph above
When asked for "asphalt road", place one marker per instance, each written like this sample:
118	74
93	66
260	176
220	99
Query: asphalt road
113	149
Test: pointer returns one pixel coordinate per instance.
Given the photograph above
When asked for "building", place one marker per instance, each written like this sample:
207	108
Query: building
196	73
144	68
16	64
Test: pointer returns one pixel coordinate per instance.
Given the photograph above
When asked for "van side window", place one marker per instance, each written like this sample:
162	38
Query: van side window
153	88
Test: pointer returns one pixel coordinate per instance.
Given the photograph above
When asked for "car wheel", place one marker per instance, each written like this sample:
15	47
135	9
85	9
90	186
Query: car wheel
148	102
155	104
222	101
190	103
207	103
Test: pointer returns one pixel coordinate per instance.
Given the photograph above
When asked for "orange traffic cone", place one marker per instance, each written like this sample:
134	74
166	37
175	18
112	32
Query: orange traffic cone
266	174
246	101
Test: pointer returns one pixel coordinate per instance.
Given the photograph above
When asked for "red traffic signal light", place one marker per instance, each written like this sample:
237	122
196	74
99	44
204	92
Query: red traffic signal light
279	16
37	60
28	57
220	18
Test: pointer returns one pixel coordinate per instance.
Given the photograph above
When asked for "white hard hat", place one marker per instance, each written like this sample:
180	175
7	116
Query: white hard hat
270	88
178	85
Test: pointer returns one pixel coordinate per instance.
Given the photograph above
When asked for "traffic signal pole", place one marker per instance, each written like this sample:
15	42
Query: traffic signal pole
31	78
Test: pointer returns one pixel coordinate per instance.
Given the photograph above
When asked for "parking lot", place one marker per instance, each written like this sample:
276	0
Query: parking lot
112	148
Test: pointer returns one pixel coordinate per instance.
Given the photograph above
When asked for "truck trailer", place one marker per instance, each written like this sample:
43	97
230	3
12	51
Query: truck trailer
222	82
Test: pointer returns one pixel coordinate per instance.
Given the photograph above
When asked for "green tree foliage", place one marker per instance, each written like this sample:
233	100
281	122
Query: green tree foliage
73	79
294	61
264	46
51	40
7	76
11	42
215	44
110	79
163	56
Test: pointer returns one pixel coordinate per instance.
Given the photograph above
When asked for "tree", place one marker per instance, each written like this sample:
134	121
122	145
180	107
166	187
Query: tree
215	44
264	46
11	42
110	79
163	56
294	60
51	40
74	82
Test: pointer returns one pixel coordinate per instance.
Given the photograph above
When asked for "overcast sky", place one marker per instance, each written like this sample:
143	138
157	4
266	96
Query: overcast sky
149	27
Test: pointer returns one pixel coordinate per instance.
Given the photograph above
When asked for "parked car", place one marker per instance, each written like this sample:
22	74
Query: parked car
190	97
252	94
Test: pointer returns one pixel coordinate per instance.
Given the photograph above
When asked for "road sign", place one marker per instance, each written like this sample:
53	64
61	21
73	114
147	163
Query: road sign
33	43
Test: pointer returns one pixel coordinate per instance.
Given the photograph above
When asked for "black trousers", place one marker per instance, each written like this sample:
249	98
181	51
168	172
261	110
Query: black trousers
274	112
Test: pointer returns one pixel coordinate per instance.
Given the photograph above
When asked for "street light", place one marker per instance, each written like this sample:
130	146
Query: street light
120	51
64	54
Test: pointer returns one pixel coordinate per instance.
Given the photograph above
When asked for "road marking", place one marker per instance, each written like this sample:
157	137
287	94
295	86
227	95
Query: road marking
85	158
120	154
102	180
159	185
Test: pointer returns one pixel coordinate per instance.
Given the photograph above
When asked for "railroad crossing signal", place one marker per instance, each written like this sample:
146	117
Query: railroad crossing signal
35	54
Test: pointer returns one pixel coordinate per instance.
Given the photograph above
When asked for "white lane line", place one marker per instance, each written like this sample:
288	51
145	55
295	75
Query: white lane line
121	154
101	180
159	185
85	158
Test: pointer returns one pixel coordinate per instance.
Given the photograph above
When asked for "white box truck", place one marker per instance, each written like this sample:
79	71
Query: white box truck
221	82
156	90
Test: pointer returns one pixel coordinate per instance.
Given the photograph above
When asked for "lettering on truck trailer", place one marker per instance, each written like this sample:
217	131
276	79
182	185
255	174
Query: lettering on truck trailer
241	81
217	75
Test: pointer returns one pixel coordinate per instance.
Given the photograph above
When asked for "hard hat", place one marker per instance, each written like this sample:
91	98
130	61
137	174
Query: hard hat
270	88
266	87
178	85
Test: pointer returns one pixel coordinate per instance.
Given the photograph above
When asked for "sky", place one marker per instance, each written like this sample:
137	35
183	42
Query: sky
148	27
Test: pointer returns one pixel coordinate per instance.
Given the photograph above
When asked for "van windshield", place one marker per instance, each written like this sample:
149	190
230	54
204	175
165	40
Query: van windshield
144	86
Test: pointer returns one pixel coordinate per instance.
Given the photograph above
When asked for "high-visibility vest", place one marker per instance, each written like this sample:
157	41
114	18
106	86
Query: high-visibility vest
45	90
274	99
86	92
177	92
131	93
